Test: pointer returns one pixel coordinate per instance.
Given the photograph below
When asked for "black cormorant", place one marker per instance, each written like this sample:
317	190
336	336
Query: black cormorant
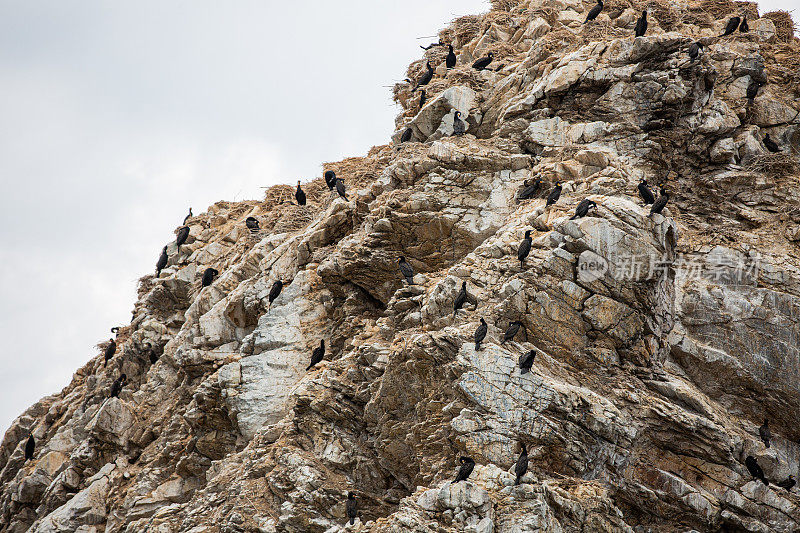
275	291
646	193
787	483
30	447
300	195
594	11
524	248
459	128
340	189
162	261
754	469
694	50
641	25
583	208
744	27
554	195
406	270
317	355
116	387
351	507
422	98
526	362
660	203
522	464
111	349
752	89
771	145
530	189
406	136
733	23
208	276
330	179
483	62
480	334
513	329
450	60
461	298
183	234
252	224
426	77
188	216
765	433
151	353
467	465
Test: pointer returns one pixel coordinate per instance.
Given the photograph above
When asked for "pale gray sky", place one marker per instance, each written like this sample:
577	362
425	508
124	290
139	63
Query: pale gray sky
116	117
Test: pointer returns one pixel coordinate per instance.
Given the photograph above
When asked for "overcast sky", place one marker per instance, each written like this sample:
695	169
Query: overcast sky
115	117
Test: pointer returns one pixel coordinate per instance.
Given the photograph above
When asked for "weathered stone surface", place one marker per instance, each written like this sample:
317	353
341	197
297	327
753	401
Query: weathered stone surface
661	341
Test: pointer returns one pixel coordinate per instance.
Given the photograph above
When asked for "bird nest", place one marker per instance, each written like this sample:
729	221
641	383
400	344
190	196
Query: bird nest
462	75
783	62
602	30
559	41
784	25
505	5
665	14
705	13
547	12
463	30
775	165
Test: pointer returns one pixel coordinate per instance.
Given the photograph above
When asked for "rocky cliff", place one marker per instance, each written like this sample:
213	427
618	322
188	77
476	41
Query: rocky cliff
661	341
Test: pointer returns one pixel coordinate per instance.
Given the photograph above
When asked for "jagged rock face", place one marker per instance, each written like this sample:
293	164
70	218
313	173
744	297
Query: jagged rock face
662	341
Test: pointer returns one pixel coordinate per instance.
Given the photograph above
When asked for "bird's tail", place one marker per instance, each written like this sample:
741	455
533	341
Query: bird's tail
524	370
352	521
764	481
767	444
573	217
409	280
477	346
516	482
308	367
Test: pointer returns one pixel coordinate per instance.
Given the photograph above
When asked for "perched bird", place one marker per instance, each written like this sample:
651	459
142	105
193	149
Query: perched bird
450	60
252	224
754	469
483	62
111	349
406	136
275	291
694	50
594	11
116	387
351	507
513	329
524	248
530	189
461	298
422	98
765	433
733	23
188	216
752	89
426	77
162	261
744	27
459	128
787	483
183	234
646	193
300	195
583	208
30	447
340	189
467	465
554	195
660	203
522	464
151	353
208	276
771	145
330	179
641	25
317	355
406	270
480	334
526	362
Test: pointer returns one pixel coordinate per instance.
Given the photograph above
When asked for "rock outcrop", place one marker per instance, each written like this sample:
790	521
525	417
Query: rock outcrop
662	341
